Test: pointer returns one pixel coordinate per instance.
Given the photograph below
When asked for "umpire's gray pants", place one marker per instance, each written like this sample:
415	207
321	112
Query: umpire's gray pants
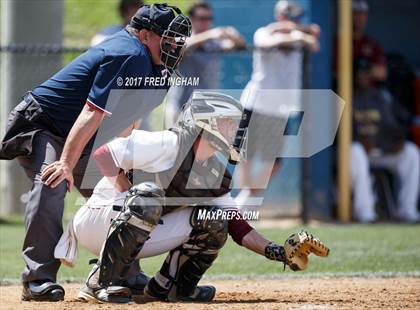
44	210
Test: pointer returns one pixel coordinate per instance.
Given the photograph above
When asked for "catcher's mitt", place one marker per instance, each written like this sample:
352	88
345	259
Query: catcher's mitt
298	246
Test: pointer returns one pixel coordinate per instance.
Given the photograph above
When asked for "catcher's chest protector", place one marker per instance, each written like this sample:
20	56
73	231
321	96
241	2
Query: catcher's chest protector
188	178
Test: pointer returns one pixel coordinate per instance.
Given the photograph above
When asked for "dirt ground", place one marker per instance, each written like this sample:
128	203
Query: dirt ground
294	293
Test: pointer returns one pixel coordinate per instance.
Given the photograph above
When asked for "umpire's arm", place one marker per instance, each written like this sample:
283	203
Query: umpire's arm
82	131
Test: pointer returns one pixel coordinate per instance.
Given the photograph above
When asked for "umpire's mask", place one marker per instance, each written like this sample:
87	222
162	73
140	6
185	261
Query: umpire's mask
172	44
171	25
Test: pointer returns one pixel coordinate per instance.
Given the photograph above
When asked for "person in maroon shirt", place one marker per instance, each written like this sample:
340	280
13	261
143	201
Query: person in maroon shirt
364	46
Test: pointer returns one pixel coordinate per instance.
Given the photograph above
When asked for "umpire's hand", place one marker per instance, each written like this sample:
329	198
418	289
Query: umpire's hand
57	172
83	129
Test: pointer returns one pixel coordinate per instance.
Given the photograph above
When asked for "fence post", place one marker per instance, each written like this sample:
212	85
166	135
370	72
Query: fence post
345	76
24	22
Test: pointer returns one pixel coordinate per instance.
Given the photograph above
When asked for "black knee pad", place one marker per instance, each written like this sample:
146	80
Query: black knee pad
208	234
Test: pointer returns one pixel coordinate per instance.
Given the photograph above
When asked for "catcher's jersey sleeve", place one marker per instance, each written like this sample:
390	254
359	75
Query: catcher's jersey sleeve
148	151
238	227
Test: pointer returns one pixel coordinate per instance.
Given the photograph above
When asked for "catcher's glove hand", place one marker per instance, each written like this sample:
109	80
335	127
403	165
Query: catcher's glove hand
298	246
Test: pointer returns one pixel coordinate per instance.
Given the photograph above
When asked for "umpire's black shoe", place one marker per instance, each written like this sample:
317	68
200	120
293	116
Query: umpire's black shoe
42	291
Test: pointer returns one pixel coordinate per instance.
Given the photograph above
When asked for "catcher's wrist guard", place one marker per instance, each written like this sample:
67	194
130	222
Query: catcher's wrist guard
274	251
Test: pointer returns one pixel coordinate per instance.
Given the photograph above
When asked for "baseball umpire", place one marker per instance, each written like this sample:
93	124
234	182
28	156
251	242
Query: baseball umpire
183	161
51	131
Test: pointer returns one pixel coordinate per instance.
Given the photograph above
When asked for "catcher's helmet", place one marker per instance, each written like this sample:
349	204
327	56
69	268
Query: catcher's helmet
170	24
217	117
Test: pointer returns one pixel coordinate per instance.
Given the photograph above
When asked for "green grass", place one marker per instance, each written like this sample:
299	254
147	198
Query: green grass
355	249
84	18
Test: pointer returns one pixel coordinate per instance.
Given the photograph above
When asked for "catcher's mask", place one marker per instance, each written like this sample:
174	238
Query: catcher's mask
218	118
171	25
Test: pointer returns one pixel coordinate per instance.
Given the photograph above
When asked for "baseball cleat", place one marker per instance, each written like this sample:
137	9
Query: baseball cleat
137	283
86	294
42	291
204	293
112	294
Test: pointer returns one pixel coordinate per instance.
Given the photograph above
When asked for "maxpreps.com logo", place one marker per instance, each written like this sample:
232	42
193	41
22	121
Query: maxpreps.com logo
227	215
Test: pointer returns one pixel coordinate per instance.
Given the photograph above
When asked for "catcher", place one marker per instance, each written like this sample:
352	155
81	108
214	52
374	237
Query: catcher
183	162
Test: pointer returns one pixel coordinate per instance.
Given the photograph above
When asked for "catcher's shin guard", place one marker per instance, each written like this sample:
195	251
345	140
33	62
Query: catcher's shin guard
141	213
186	264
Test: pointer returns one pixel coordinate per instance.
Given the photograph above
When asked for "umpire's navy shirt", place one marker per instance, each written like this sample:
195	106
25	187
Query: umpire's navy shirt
89	78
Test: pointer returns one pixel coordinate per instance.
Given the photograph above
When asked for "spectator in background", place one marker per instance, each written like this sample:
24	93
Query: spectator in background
365	46
379	141
126	8
201	58
277	64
